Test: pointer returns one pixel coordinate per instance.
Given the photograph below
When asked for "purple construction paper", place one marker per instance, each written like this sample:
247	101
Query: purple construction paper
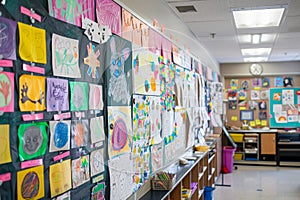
8	38
57	94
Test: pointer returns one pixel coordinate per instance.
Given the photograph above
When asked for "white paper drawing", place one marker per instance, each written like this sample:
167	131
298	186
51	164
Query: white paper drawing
95	32
97	129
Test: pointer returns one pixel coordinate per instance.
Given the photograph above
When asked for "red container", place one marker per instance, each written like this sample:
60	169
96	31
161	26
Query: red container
228	153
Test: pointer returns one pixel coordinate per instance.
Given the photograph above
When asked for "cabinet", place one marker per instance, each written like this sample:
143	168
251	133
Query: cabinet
288	147
268	144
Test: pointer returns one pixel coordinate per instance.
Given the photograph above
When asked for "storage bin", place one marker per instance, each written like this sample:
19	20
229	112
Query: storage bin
228	159
237	137
208	193
158	184
238	156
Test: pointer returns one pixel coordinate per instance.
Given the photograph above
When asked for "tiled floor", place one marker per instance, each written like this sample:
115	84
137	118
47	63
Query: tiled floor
260	183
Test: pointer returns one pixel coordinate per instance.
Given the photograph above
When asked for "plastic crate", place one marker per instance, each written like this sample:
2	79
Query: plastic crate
237	137
238	156
158	184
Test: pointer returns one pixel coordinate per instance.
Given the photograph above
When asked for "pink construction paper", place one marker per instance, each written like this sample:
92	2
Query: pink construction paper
31	163
6	91
166	49
155	40
109	14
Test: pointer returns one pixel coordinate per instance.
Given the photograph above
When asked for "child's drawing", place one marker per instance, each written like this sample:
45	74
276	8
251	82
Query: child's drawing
96	32
7	91
80	133
80	171
57	94
60	135
109	14
79	96
71	11
97	162
119	73
145	72
97	129
8	38
32	93
65	57
5	156
95	97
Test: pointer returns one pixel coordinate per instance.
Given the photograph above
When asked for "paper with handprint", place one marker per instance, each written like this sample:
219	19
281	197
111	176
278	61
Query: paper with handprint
6	91
32	93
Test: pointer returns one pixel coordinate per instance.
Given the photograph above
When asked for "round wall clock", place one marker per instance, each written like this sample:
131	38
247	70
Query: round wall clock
256	69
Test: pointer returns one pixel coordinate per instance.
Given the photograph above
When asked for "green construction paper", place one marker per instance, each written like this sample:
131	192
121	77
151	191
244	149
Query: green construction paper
79	96
34	143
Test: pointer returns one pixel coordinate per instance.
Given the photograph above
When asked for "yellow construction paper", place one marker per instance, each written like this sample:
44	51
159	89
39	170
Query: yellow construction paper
60	177
252	123
256	88
243	108
264	122
30	183
32	45
257	122
234	118
5	156
32	93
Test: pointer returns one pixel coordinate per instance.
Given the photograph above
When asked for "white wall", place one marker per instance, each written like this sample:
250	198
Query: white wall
159	10
269	69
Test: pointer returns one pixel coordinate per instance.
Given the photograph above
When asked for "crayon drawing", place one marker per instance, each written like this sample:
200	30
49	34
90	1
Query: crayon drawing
95	97
30	183
7	91
8	38
5	156
145	72
60	177
119	72
79	96
59	135
33	140
120	172
65	57
32	45
57	94
109	14
119	133
156	157
80	133
98	191
97	129
32	93
71	11
167	85
92	61
80	171
97	162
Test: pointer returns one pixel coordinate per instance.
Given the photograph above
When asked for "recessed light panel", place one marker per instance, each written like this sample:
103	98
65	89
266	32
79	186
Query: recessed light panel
256	52
257	18
256	59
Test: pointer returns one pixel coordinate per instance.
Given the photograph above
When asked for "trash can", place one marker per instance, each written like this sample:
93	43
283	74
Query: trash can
208	193
228	153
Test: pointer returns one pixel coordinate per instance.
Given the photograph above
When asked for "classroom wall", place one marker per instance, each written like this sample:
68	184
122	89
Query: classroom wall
159	10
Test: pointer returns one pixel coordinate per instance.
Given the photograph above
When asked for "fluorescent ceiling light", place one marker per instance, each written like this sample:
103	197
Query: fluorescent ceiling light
255	59
257	18
255	38
256	52
265	38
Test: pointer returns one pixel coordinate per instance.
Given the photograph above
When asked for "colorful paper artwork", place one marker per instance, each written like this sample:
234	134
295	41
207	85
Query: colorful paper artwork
60	177
245	85
234	83
255	94
156	157
65	196
119	72
5	156
278	81
181	127
119	133
287	96
145	72
120	172
109	13
97	162
95	32
80	133
98	192
79	96
32	93
155	40
127	25
92	61
167	86
256	82
60	135
166	50
32	45
136	32
281	117
8	38
30	183
155	120
57	94
97	129
145	35
264	94
95	97
72	11
141	162
65	57
80	171
33	140
7	91
266	82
